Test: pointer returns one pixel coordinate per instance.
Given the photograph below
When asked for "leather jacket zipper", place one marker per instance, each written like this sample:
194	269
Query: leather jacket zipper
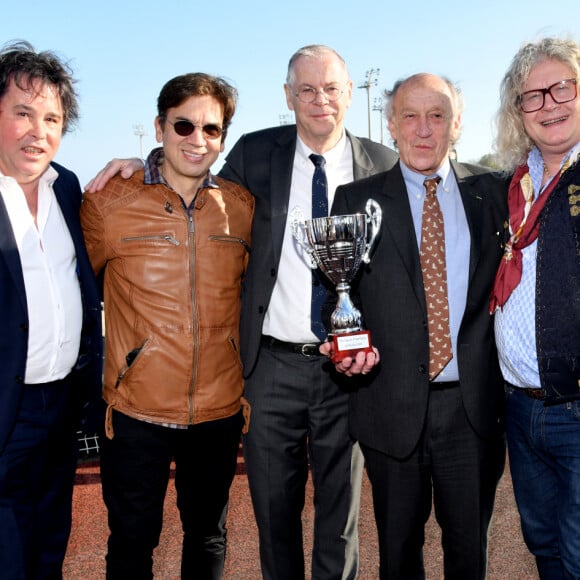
195	323
231	239
165	237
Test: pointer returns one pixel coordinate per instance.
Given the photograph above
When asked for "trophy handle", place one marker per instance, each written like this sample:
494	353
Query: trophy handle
374	219
298	225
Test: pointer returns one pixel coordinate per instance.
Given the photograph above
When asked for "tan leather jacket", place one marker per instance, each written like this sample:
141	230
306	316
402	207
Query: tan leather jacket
172	288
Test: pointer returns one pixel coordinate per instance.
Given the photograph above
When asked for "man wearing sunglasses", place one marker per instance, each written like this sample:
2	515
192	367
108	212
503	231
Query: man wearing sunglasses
173	243
299	411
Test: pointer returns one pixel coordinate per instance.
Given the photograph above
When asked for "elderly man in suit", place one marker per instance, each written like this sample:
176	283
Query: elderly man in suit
50	344
299	413
429	418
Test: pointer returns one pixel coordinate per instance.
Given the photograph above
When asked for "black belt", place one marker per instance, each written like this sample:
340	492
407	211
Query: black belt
51	384
538	394
443	385
307	349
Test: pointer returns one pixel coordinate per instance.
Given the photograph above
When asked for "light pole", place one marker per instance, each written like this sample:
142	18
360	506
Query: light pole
140	132
378	106
370	81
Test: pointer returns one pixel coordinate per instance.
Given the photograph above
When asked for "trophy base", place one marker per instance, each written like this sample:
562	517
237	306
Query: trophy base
349	343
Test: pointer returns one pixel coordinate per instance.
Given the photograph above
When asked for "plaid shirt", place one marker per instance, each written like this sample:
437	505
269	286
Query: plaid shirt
153	175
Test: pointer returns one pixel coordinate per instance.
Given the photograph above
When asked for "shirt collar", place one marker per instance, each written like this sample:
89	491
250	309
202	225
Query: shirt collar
417	179
332	156
49	176
536	163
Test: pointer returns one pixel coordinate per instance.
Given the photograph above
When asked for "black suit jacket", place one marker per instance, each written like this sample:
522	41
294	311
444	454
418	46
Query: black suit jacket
262	162
388	410
14	312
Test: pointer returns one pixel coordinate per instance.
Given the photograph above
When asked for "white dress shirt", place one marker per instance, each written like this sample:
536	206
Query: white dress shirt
288	315
53	297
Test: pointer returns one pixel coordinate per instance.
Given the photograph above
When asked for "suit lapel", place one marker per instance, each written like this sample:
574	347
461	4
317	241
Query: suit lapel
280	179
67	195
398	221
472	199
69	211
9	250
363	165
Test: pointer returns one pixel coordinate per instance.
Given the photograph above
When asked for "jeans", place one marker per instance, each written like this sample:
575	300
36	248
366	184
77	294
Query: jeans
544	454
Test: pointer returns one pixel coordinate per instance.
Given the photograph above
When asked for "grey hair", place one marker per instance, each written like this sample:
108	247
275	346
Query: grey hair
312	51
456	104
512	143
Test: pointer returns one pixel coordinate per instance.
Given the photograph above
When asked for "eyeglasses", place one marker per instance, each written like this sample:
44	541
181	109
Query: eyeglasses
561	92
185	128
308	94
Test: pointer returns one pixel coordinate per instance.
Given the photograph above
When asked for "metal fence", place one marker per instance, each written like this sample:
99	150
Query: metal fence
88	445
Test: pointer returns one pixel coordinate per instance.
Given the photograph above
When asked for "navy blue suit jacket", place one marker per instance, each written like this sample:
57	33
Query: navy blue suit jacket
14	314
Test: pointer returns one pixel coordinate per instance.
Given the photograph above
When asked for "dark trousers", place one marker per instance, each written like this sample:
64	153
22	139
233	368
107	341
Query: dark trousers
299	417
457	471
37	470
135	470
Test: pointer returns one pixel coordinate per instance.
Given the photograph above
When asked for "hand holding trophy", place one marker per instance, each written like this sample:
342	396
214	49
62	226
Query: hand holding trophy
338	245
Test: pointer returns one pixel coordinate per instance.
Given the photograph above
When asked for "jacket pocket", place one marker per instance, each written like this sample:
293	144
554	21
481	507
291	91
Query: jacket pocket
236	350
232	240
151	238
130	359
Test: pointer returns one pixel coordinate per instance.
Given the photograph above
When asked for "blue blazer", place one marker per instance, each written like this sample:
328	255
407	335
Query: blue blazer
14	314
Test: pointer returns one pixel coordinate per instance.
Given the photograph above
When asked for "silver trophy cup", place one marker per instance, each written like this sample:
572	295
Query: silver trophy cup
338	245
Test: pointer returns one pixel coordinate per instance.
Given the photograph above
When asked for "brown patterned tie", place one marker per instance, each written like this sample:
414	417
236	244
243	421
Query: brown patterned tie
435	280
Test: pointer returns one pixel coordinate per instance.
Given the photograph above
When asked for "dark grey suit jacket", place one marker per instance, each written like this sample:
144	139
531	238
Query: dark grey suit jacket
388	410
262	162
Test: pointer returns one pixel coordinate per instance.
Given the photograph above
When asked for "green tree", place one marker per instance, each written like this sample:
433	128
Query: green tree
489	160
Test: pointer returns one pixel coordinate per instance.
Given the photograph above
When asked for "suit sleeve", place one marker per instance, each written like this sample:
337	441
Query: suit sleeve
233	168
340	205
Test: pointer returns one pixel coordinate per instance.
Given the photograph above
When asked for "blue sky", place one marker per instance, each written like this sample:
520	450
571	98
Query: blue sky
122	52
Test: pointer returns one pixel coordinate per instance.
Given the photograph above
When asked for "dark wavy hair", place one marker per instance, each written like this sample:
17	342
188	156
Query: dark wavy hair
19	62
179	89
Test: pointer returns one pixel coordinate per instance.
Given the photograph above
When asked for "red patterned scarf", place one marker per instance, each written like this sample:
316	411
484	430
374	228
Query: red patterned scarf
524	226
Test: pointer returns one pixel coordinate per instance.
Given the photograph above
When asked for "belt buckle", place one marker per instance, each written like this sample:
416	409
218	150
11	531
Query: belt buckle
538	394
305	350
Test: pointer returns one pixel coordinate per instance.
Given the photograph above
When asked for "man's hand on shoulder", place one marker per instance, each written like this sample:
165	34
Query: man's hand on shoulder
125	167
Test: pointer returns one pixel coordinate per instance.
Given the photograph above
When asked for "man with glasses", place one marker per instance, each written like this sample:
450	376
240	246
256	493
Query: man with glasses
299	413
430	421
536	298
299	410
173	243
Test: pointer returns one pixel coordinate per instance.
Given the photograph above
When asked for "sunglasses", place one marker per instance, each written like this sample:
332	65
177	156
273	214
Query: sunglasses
186	128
